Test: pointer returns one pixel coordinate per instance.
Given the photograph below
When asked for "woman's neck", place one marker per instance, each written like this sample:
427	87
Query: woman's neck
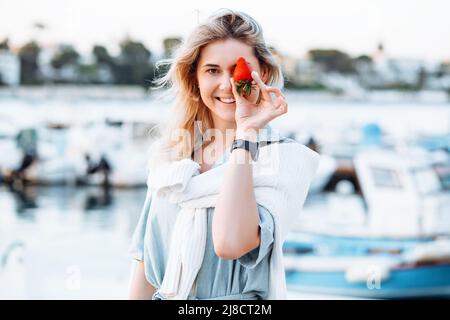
224	133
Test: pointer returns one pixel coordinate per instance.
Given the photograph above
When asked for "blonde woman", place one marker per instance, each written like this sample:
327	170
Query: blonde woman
223	186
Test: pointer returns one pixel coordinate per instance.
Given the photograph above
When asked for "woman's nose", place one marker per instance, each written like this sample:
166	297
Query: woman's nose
225	83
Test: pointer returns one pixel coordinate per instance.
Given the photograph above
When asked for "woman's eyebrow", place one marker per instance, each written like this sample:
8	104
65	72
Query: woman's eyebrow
211	65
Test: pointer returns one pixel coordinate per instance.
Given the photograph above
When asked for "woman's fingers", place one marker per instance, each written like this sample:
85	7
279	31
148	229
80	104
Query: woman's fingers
275	90
262	86
281	105
266	90
259	82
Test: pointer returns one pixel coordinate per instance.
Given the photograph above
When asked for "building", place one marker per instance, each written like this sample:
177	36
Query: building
9	68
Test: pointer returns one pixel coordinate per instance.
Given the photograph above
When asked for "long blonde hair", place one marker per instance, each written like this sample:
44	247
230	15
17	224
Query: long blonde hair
181	80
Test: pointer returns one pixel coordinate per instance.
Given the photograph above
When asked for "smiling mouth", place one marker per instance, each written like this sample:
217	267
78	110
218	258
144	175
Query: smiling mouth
226	101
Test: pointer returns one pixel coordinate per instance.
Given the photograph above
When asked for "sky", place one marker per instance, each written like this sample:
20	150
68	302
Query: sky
418	29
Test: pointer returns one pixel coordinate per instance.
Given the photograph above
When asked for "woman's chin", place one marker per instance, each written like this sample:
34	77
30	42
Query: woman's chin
225	105
226	116
226	110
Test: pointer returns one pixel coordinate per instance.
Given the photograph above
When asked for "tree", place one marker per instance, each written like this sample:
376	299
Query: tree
4	45
134	51
170	45
133	65
66	55
29	67
364	59
421	78
65	63
102	55
332	60
444	68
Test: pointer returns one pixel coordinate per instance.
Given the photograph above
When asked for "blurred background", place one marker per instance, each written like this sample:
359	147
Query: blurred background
368	87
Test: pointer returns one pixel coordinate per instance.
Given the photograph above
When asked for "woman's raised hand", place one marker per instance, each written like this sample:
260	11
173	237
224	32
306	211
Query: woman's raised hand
251	116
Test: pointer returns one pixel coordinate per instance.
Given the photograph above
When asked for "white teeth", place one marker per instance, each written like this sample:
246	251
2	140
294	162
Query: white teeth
231	100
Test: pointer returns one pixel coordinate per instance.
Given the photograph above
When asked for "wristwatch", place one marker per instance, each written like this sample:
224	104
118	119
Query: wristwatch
252	147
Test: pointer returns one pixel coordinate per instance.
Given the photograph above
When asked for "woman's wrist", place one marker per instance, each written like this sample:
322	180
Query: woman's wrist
249	134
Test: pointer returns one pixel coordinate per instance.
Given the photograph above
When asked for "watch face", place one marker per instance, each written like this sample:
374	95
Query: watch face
252	147
241	144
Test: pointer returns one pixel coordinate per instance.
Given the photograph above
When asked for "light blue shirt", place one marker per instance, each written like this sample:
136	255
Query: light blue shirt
244	278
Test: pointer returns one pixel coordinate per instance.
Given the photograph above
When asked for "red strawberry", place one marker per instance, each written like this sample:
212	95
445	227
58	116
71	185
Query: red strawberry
242	77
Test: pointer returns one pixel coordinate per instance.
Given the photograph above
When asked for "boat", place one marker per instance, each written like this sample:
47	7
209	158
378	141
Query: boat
327	167
111	152
398	244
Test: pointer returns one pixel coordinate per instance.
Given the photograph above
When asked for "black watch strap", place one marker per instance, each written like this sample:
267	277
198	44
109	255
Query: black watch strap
252	147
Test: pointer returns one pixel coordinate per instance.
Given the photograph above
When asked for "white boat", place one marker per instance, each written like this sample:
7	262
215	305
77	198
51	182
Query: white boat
399	246
62	152
9	154
125	146
327	167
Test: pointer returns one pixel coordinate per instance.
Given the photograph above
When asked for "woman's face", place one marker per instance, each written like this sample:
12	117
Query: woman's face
215	68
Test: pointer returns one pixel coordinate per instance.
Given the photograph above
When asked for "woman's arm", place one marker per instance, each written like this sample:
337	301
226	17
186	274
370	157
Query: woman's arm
236	220
140	289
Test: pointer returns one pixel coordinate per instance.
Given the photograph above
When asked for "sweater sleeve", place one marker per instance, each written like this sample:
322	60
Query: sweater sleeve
136	248
266	226
172	177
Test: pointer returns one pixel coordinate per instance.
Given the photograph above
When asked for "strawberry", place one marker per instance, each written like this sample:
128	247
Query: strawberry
242	77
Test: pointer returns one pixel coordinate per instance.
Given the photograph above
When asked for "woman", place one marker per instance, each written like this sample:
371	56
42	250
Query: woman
223	186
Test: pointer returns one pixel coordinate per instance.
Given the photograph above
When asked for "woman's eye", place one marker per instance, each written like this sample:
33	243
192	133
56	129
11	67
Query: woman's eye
212	71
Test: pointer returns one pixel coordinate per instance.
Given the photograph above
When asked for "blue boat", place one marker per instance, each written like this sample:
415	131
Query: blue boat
367	268
402	248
